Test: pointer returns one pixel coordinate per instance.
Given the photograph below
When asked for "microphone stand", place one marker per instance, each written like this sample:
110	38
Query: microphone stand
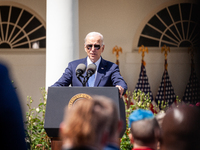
84	82
85	79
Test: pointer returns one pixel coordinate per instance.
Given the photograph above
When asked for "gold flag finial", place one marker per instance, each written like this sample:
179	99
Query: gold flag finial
116	50
166	50
143	50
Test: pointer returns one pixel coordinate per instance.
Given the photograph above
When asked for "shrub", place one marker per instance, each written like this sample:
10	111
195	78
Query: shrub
36	136
133	101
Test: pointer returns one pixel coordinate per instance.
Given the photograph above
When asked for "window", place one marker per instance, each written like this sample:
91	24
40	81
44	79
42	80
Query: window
174	26
20	29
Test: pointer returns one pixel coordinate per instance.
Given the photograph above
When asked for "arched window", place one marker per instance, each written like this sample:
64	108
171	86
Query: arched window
20	29
175	26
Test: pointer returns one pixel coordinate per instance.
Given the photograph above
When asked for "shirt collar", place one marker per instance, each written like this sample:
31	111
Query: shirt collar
96	63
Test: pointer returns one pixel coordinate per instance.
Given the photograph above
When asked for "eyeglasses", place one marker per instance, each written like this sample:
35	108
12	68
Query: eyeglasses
96	47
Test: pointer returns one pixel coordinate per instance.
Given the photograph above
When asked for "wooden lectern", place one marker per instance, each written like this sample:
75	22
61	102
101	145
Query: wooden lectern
60	97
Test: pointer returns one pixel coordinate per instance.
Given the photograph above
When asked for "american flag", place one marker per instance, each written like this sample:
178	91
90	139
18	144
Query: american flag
192	91
144	86
143	83
166	91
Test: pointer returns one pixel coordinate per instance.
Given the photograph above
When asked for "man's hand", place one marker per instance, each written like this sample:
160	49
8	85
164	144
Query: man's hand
121	90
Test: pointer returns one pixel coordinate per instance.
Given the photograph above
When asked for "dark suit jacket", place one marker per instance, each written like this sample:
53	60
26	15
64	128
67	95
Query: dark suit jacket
107	75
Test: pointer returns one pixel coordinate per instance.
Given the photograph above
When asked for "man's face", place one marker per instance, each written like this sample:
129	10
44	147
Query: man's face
93	47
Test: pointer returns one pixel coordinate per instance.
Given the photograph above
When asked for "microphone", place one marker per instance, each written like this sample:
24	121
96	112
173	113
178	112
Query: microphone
91	70
80	69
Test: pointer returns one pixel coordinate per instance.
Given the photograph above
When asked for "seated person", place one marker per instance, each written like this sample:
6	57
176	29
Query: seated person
145	130
181	129
84	125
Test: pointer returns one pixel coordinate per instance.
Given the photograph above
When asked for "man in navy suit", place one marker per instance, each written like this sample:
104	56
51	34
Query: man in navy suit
107	73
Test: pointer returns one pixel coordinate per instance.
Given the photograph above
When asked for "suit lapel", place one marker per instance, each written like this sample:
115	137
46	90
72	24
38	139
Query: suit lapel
101	72
85	62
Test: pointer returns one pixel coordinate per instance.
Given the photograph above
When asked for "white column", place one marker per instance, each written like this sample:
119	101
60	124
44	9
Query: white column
62	45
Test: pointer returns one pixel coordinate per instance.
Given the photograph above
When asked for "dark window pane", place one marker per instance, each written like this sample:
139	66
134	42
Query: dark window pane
191	28
148	42
185	44
168	45
196	33
179	29
174	10
164	15
185	10
167	39
23	46
21	41
15	14
38	33
5	45
157	23
32	25
10	30
0	33
4	13
169	33
42	43
4	29
19	36
174	30
195	13
151	32
16	30
24	18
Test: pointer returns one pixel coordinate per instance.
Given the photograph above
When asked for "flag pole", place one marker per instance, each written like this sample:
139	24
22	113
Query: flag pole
165	49
143	50
191	51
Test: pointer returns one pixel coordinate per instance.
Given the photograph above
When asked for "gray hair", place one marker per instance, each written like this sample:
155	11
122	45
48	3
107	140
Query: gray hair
92	34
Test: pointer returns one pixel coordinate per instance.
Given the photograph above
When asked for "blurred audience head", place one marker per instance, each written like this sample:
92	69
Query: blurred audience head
114	122
145	130
159	117
113	114
85	124
181	129
12	125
